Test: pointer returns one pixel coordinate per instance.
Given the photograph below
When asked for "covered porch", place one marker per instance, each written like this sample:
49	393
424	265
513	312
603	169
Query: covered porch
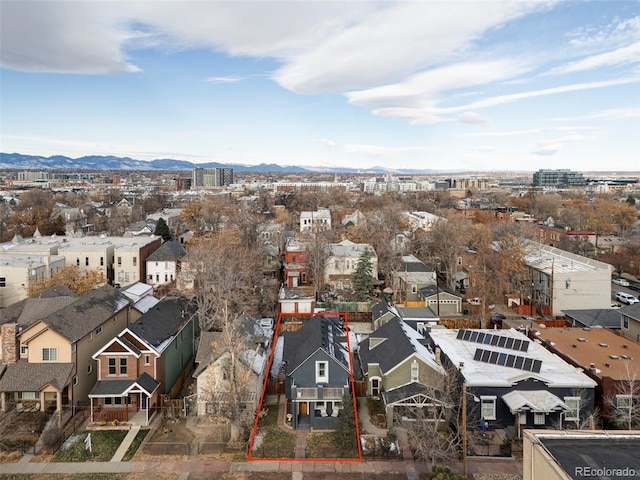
534	408
414	402
121	401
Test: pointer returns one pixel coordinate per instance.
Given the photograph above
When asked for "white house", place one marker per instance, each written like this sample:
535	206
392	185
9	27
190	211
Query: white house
343	260
316	221
163	265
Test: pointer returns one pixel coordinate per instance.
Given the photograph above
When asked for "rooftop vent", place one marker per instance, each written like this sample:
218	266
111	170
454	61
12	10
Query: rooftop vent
603	345
626	357
614	357
582	339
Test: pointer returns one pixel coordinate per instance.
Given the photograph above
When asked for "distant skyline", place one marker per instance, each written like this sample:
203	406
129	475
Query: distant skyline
478	86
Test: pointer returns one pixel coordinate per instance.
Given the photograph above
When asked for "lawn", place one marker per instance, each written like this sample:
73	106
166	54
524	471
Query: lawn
322	445
133	448
273	442
104	444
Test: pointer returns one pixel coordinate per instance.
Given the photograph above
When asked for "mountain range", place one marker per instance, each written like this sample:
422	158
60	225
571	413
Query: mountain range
18	161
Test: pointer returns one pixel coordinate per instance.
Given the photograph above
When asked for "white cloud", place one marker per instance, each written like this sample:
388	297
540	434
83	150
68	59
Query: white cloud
609	114
326	142
381	151
551	147
621	56
227	79
473	118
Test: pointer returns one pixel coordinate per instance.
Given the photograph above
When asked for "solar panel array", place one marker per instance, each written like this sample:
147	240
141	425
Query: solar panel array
507	360
501	341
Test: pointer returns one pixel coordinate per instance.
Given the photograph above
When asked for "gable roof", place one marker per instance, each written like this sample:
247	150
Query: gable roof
87	313
400	342
122	341
160	324
105	388
23	376
30	310
168	252
318	333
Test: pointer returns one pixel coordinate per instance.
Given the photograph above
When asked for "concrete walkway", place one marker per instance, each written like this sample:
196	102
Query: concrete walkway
126	443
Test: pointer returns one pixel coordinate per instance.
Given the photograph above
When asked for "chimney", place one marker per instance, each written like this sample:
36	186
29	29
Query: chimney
10	351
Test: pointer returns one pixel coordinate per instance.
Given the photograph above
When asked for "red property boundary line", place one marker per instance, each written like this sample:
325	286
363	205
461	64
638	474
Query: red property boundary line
254	431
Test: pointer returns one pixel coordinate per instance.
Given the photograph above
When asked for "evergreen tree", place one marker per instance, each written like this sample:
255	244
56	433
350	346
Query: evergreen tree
162	230
362	283
344	435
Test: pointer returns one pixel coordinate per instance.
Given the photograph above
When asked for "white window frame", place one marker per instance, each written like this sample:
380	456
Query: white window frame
415	370
51	356
624	402
485	402
378	388
24	350
322	378
112	369
574	405
89	369
539	418
147	359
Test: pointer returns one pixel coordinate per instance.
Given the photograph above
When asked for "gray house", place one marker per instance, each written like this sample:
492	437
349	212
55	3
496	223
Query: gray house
317	366
401	371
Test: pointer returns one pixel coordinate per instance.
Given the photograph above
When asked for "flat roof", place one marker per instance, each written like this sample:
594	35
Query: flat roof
550	259
553	370
595	345
579	454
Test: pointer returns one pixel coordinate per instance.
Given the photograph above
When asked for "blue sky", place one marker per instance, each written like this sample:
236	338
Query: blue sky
475	86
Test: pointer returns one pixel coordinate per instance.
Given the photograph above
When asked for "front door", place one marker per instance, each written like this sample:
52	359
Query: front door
143	401
304	408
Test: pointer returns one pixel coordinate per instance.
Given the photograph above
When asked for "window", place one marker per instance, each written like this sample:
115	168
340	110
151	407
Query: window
28	395
157	277
151	277
86	261
624	402
625	322
414	371
414	288
119	261
123	366
24	350
538	418
573	414
488	407
375	387
89	369
322	372
75	379
3	282
98	330
166	278
78	261
101	261
147	359
135	261
303	277
73	347
107	401
49	354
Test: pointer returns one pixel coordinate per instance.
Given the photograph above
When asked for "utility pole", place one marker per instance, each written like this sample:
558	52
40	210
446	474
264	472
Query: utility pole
464	429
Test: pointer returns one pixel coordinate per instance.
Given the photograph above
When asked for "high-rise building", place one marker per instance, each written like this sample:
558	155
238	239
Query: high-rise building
558	178
212	177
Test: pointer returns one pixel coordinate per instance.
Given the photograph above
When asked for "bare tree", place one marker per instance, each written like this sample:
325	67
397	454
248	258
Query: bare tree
623	406
230	390
318	248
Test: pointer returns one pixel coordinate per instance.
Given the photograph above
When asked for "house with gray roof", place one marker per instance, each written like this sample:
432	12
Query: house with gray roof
163	265
51	352
401	371
317	369
144	362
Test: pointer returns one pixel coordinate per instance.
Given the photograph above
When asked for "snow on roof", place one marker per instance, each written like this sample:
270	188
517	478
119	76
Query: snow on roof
554	371
414	337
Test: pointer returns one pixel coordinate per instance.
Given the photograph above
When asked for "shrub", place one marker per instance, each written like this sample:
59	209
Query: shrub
51	439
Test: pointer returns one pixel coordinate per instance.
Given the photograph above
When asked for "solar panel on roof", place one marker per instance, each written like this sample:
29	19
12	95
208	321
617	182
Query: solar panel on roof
528	362
478	354
509	343
502	341
485	356
519	362
488	339
507	360
467	334
473	337
460	334
511	359
502	359
525	346
481	336
516	344
537	364
493	358
494	340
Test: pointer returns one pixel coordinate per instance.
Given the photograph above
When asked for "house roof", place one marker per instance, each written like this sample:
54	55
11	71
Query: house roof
137	289
160	324
145	304
553	371
318	332
541	401
23	376
433	290
394	342
551	260
105	388
381	308
86	313
348	249
416	313
631	311
595	346
407	391
168	252
602	317
29	310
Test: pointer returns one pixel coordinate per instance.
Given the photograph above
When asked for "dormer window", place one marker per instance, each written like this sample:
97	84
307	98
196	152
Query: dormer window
322	372
414	371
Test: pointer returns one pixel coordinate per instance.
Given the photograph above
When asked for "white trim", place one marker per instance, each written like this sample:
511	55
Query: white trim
322	378
491	399
111	342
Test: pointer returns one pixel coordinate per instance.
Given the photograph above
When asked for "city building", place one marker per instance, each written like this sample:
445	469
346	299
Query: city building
212	177
562	178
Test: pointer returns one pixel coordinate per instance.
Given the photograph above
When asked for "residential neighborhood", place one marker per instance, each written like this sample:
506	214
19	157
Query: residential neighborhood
384	335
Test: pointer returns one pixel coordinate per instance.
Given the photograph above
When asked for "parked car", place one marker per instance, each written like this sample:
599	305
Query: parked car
623	282
635	286
626	298
496	319
475	301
